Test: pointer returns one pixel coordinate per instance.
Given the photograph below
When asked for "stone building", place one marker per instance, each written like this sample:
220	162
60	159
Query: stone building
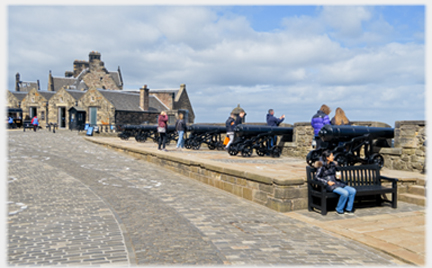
36	103
174	101
91	89
59	105
14	99
87	74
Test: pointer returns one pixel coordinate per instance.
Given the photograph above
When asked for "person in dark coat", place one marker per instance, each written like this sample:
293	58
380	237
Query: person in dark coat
180	127
319	120
230	124
273	121
326	174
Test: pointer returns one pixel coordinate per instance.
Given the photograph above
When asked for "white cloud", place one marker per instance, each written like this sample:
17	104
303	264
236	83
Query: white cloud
329	58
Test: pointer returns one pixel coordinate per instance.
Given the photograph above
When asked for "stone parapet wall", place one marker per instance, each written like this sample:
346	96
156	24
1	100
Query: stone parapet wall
409	152
283	195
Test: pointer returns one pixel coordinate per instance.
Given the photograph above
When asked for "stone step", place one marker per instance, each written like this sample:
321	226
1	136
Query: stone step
413	199
416	190
421	182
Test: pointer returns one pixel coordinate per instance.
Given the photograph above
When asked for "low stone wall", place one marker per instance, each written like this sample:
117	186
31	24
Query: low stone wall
409	152
282	195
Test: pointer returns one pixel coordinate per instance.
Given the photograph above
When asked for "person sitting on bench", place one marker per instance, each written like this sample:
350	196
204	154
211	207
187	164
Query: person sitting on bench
326	174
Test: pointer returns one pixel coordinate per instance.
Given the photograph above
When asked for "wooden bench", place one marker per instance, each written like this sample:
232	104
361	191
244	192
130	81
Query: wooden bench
27	124
366	179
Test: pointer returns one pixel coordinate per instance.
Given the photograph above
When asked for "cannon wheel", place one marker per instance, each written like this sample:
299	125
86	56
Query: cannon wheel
377	159
341	159
247	151
188	144
211	146
196	145
220	146
276	152
232	150
141	138
312	157
124	137
261	151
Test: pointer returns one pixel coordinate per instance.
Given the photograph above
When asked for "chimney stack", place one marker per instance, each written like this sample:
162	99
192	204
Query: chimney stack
144	98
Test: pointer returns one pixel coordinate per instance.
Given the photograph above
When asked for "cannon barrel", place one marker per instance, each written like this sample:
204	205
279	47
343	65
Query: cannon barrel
206	128
170	128
257	129
345	132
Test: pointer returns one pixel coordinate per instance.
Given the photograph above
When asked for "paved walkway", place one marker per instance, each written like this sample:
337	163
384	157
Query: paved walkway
72	202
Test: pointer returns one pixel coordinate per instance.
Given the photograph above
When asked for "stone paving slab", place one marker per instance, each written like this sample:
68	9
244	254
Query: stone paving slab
55	219
400	232
162	217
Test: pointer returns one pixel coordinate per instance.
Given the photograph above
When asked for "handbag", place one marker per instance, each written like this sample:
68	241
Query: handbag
161	129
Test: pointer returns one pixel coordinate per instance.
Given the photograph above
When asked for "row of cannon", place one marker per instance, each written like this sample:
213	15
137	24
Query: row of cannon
350	144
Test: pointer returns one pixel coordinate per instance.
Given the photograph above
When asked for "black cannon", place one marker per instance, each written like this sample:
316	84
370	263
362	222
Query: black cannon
208	134
144	132
250	137
128	131
346	144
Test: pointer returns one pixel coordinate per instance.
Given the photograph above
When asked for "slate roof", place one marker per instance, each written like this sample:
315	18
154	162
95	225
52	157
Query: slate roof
19	95
46	94
76	94
130	101
27	86
116	77
59	82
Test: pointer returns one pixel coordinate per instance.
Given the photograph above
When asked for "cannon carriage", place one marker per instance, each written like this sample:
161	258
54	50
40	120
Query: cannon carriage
258	138
128	131
208	134
144	132
351	145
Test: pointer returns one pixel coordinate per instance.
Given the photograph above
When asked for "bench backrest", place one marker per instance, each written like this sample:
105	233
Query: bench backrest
364	175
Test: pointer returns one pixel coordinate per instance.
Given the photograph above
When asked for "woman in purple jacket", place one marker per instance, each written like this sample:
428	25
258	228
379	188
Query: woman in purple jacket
319	120
162	128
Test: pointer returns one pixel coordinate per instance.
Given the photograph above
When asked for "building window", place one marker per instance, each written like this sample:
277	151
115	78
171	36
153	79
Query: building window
61	99
92	98
33	99
42	115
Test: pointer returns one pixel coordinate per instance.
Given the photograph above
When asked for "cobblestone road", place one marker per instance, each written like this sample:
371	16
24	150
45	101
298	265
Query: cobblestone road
72	202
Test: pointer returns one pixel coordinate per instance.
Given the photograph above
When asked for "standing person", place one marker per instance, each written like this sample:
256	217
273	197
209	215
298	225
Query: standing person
35	123
231	122
340	118
10	121
162	128
273	121
180	127
326	174
319	120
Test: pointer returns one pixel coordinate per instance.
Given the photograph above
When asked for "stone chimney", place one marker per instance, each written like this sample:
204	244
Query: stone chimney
144	98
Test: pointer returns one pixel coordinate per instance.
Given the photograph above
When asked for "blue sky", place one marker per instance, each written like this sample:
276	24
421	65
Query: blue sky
368	60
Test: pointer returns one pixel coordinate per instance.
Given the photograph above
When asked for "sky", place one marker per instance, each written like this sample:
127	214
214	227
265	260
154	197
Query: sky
368	60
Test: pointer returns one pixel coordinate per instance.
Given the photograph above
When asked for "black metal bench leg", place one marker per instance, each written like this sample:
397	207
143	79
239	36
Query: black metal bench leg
394	200
323	206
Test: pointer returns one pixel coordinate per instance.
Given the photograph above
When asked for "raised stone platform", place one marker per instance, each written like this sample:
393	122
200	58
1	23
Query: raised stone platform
277	183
